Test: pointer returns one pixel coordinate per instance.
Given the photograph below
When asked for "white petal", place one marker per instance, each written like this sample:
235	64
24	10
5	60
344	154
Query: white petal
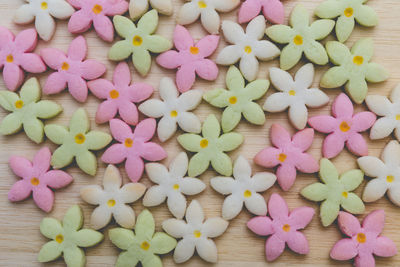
231	207
166	128
394	194
233	32
395	95
153	108
379	104
214	227
194	213
24	15
298	115
305	76
265	50
391	153
137	8
262	181
229	55
256	204
125	216
397	132
210	20
207	250
112	179
190	100
177	204
154	196
168	91
192	186
100	217
382	128
374	190
225	5
315	98
92	194
157	172
249	67
277	102
223	185
60	9
189	122
372	166
45	26
163	6
281	79
131	192
256	28
178	167
184	250
189	13
175	228
241	169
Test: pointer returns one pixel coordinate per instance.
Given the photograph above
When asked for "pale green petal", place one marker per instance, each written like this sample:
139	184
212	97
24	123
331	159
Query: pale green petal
211	127
157	43
234	79
49	252
254	113
74	257
338	52
79	122
376	73
334	77
124	26
353	204
87	238
120	50
30	91
145	225
142	61
96	140
122	238
257	89
351	179
299	17
87	162
190	142
8	99
357	88
73	219
61	157
222	164
344	28
56	133
321	28
198	164
217	97
366	16
46	109
126	259
328	172
329	9
329	211
34	129
50	227
149	21
315	192
282	34
230	141
162	243
365	48
316	53
290	56
152	261
10	124
230	119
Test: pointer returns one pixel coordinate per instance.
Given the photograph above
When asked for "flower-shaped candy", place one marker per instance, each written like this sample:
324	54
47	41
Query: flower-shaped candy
365	241
67	238
301	37
138	41
246	47
76	142
344	127
133	147
171	185
196	234
238	100
207	11
143	245
354	68
120	96
173	110
289	154
295	94
26	110
347	11
190	59
112	200
138	7
96	12
282	226
210	147
386	173
16	56
335	192
43	11
72	69
272	9
37	179
243	188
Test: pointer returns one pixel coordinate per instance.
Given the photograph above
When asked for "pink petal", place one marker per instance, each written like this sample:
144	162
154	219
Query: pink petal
279	136
134	168
306	163
303	139
364	260
122	74
115	154
268	157
77	88
145	129
207	45
26	40
120	130
300	217
274	247
344	249
249	10
41	161
153	152
384	247
19	191
75	3
140	92
185	77
277	207
32	63
357	144
261	225
332	146
182	38
169	59
57	179
274	11
128	112
92	69
44	198
13	76
374	222
104	28
78	48
342	107
55	83
206	69
21	166
5	36
100	88
298	243
106	111
53	57
286	175
79	22
363	121
118	8
348	224
323	124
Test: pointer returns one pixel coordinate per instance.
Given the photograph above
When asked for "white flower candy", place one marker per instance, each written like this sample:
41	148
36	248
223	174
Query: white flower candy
295	94
173	110
138	7
171	185
246	47
243	189
43	11
196	234
112	200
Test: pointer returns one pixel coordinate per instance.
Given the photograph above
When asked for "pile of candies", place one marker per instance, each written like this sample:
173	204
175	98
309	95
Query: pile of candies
208	142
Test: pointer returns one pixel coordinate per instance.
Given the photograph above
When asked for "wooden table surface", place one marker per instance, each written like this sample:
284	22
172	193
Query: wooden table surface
20	239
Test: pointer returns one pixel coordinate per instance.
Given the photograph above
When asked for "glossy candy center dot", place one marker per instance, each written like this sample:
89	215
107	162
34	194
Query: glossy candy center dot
111	203
176	187
298	40
59	239
194	50
128	142
10	58
174	114
344	127
97	9
44	5
114	94
137	40
19	104
286	228
247	193
65	66
35	181
233	100
348	12
197	234
358	60
79	139
398	117
292	92
202	4
145	245
247	49
345	194
204	143
390	178
282	157
361	238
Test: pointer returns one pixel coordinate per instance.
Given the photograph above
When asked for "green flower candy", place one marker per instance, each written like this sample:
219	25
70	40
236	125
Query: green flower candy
143	244
335	192
210	147
138	41
76	142
354	68
26	110
301	37
238	99
67	237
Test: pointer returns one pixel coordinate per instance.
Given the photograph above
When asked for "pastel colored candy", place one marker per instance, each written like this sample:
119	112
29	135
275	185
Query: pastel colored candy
139	7
37	179
272	10
190	59
289	154
283	227
344	127
72	70
17	56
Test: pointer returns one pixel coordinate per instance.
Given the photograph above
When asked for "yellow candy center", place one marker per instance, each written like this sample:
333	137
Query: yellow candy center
233	100
194	50
204	143
247	49
145	245
19	104
111	203
176	187
35	181
358	60
345	194
114	94
137	40
65	66
247	194
10	58
344	127
59	239
398	117
174	114
348	12
282	157
286	228
128	142
298	40
79	139
361	238
197	234
97	9
390	178
44	5
202	4
292	92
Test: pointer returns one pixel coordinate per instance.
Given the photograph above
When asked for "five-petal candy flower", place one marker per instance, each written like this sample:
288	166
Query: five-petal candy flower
365	241
347	11
37	178
133	147
43	11
171	185
246	47
196	234
120	96
190	59
143	245
295	94
344	128
26	110
301	37
335	192
16	56
289	154
96	12
138	41
243	188
72	70
272	9
112	200
67	238
282	226
76	142
138	7
210	147
354	68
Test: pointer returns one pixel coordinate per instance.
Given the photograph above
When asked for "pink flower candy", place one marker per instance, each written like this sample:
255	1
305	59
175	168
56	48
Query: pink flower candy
15	56
120	96
134	147
72	69
344	128
365	241
37	178
190	58
289	154
283	227
96	11
272	9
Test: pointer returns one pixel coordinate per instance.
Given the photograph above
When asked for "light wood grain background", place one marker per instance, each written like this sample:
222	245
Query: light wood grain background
20	239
